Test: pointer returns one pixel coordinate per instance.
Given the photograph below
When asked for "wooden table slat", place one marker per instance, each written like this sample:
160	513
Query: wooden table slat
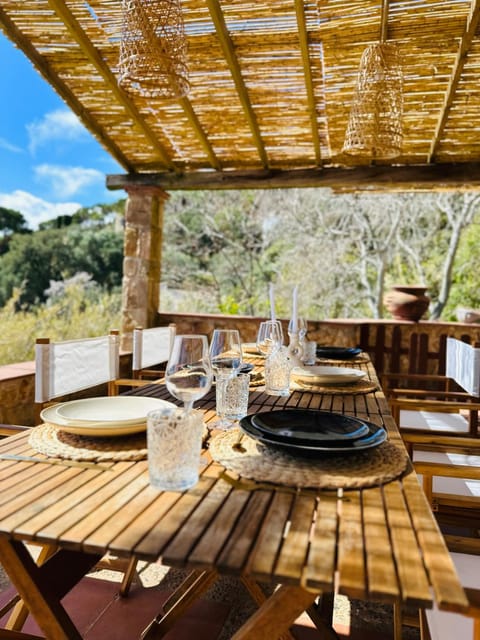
381	573
439	564
291	562
320	570
413	579
351	564
264	555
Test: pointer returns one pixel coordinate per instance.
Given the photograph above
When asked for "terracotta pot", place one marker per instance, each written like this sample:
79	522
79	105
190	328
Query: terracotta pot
407	302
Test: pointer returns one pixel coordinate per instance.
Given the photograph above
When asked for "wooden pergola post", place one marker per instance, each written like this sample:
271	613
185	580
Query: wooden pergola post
141	259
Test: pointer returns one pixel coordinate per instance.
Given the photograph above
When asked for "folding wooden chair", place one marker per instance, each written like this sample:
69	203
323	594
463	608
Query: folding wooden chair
151	349
439	404
71	366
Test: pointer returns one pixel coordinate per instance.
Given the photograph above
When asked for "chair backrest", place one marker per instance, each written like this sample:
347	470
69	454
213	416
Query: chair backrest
73	365
151	347
463	365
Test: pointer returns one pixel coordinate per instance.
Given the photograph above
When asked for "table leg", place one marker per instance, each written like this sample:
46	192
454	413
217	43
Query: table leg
276	615
42	587
20	612
195	584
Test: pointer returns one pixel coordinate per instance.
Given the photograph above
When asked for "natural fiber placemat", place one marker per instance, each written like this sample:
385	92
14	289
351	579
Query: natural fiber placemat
54	442
362	386
354	470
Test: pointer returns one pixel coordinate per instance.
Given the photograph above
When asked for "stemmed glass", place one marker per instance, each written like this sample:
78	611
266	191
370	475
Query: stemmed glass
189	374
269	336
226	359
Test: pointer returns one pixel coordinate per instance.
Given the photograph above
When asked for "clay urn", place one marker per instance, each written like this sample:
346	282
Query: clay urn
407	302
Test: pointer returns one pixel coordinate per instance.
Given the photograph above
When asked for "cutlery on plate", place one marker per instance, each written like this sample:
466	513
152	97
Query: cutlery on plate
64	463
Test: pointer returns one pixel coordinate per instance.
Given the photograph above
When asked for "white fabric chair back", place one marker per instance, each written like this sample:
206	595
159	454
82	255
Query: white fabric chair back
73	365
463	365
151	346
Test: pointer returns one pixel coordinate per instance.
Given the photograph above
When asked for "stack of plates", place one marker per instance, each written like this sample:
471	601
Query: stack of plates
301	430
326	375
103	416
338	353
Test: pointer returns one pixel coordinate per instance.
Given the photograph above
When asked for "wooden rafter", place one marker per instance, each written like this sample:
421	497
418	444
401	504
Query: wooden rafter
201	135
232	60
62	89
96	59
463	48
303	38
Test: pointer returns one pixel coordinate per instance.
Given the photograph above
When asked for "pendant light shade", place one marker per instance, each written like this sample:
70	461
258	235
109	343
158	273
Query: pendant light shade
153	49
375	125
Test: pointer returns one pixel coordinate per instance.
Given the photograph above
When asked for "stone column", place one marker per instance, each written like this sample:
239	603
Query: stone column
141	259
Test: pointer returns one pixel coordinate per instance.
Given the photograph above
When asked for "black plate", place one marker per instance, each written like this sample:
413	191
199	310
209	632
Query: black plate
376	435
308	427
246	367
338	353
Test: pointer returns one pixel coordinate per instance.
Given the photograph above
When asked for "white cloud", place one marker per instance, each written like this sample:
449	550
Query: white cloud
59	125
36	210
67	181
4	144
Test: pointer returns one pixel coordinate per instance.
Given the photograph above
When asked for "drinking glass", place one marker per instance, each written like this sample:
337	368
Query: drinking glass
269	336
226	359
188	375
174	441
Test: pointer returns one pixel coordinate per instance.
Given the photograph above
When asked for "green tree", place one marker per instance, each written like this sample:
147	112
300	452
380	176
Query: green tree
11	222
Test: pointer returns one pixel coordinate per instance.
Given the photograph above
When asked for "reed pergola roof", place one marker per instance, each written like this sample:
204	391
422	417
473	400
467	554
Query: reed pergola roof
271	88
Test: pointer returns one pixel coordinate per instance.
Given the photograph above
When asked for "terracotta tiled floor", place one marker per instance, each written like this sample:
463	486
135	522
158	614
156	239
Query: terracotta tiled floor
100	614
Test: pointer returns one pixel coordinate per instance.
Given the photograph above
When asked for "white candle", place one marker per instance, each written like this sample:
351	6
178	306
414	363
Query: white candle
272	303
294	310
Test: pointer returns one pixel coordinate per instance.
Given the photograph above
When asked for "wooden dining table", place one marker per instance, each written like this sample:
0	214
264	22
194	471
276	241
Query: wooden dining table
288	544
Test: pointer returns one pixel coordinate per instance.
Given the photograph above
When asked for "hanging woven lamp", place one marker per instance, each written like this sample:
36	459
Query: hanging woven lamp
153	49
375	125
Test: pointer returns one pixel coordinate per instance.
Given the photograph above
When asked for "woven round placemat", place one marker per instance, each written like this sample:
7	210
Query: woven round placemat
51	441
354	470
362	386
54	442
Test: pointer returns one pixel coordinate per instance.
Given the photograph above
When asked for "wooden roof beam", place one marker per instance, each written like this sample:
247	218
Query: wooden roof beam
232	60
96	59
303	37
463	48
440	177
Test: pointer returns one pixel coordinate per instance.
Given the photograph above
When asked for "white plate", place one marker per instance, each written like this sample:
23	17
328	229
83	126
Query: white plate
327	375
250	347
118	409
107	424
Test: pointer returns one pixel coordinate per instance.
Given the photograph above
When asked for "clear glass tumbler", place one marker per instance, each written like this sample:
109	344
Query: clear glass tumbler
174	443
232	397
309	352
277	372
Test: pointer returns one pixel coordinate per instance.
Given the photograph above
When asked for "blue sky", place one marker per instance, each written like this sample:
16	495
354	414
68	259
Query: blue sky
50	164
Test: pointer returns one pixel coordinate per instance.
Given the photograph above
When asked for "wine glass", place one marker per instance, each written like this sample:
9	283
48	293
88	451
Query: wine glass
226	359
269	336
189	375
